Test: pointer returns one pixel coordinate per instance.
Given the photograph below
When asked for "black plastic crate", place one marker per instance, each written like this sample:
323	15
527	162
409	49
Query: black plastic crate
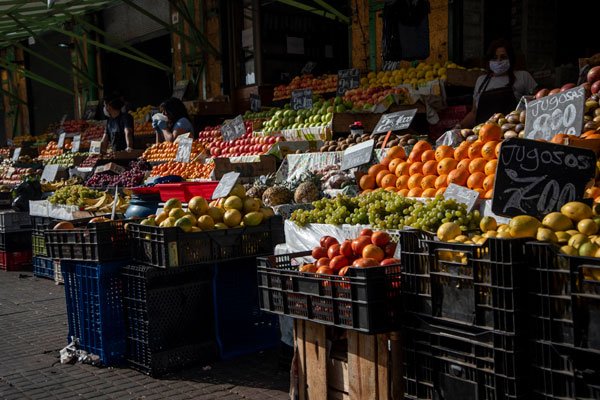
586	303
15	241
43	267
168	317
38	245
365	299
100	242
446	361
480	285
416	281
11	221
41	224
171	247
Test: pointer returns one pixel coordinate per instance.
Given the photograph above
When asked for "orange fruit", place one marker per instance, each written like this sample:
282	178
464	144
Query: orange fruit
380	176
402	182
403	192
367	182
388	181
462	151
414	192
490	167
489	194
396	152
477	165
427	155
441	181
429	192
458	177
488	182
374	169
402	168
490	132
497	150
414	181
391	189
440	191
475	180
414	156
443	151
481	192
428	182
430	167
592	192
415	168
488	151
421	146
446	165
464	164
475	149
385	161
394	164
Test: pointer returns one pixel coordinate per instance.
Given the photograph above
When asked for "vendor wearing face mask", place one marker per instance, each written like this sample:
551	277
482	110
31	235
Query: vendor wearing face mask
501	88
119	127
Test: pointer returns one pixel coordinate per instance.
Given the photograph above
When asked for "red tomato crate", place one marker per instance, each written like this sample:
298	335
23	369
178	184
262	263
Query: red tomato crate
184	191
15	260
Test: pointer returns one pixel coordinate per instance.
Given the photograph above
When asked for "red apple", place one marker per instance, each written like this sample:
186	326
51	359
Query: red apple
595	87
567	86
593	74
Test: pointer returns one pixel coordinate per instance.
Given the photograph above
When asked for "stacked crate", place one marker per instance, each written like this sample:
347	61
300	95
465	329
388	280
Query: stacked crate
15	241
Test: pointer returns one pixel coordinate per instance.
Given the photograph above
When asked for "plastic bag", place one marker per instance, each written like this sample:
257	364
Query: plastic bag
450	138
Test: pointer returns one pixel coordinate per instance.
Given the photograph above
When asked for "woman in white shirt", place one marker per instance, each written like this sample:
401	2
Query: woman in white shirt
501	88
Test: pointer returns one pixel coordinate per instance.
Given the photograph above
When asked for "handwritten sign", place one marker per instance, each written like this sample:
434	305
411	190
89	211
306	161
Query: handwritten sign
308	68
110	167
301	99
396	121
16	154
347	79
462	195
233	129
95	147
180	89
184	150
76	144
225	185
358	154
557	113
61	140
255	103
90	109
536	178
50	172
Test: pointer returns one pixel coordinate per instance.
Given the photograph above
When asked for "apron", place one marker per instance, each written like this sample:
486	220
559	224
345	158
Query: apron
501	100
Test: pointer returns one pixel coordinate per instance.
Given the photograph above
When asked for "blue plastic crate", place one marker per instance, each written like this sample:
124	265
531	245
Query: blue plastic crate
43	267
241	327
95	308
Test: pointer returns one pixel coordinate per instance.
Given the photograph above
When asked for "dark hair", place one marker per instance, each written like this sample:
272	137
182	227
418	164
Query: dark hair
115	102
174	109
491	54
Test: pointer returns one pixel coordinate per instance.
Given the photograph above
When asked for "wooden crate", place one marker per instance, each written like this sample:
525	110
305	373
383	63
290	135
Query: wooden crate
333	363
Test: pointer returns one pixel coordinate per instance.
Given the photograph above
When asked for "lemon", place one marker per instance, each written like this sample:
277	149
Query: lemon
587	226
488	224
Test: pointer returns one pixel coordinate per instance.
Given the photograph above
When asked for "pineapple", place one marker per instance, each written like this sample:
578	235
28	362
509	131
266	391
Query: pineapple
277	195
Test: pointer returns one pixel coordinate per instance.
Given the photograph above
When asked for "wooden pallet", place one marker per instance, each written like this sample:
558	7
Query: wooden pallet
339	364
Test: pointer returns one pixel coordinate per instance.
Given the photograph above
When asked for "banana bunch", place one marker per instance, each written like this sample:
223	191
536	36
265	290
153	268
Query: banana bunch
54	186
105	204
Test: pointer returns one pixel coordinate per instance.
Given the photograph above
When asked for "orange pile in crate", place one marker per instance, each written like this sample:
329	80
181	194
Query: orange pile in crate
50	150
192	170
426	172
166	151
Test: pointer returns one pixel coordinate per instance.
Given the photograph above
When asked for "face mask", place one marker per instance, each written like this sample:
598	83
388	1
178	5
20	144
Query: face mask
105	110
499	67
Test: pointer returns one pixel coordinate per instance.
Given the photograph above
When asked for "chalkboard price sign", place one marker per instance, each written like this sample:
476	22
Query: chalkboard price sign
225	185
301	99
76	144
396	121
308	68
233	129
462	195
358	154
557	113
16	154
347	79
536	178
255	103
184	150
61	140
90	109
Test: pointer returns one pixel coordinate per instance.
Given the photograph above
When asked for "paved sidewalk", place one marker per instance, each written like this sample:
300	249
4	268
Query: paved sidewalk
33	328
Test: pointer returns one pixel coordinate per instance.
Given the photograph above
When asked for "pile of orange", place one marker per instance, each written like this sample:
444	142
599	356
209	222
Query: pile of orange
166	151
426	172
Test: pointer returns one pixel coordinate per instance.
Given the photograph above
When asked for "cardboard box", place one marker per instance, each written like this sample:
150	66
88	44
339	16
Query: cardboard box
264	166
463	77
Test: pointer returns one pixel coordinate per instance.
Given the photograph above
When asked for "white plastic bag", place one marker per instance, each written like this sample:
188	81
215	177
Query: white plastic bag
450	138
